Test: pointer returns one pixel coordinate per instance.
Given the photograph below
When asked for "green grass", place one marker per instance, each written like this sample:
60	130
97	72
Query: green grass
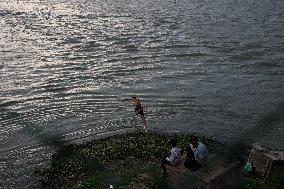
96	182
118	160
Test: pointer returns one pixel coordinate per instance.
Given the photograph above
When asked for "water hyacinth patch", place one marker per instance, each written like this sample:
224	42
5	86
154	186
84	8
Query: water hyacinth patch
117	160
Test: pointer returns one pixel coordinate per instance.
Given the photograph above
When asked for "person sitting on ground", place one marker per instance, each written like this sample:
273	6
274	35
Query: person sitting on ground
199	150
173	159
190	161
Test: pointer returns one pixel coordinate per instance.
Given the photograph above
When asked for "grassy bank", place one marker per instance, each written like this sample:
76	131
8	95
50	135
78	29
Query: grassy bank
118	160
121	161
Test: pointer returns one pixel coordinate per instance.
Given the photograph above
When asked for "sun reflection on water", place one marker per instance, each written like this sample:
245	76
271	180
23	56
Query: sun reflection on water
39	7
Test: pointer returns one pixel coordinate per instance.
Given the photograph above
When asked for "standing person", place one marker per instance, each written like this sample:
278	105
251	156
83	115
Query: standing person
199	150
173	158
138	109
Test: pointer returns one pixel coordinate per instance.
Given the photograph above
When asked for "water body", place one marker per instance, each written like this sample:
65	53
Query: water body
211	67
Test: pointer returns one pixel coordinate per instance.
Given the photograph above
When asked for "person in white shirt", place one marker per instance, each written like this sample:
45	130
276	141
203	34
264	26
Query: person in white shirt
199	150
174	157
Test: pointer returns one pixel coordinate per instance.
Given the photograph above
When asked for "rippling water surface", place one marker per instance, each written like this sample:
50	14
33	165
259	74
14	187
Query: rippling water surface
212	67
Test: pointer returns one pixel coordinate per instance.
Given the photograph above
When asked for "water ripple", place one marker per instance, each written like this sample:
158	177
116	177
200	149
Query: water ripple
209	66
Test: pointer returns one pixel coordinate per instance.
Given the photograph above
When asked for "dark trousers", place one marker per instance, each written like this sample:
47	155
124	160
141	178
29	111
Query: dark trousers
164	162
192	164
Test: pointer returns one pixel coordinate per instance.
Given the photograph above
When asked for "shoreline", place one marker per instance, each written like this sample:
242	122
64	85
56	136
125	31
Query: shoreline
122	161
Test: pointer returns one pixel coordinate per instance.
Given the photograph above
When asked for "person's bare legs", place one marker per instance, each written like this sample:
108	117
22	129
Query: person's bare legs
143	118
145	123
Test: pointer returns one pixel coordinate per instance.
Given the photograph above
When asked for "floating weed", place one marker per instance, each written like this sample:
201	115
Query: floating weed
99	181
132	157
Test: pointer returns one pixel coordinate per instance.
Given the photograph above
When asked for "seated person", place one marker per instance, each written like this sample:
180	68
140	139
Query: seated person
190	161
199	150
174	157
